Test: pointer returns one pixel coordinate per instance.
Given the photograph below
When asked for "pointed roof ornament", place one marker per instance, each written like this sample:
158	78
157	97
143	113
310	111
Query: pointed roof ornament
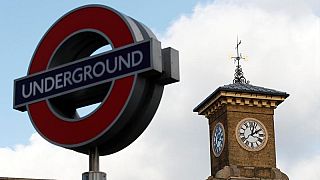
238	76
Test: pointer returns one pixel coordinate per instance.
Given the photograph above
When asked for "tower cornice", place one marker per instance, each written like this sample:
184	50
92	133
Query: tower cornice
240	94
240	99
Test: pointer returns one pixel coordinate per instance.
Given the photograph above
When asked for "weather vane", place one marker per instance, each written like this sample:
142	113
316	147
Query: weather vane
238	76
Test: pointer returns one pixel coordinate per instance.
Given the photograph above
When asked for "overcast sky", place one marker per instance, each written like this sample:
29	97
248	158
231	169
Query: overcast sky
280	39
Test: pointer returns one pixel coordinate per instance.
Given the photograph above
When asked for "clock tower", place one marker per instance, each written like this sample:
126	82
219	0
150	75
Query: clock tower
241	128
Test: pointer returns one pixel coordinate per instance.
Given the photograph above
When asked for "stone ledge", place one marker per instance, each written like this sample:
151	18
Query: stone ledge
236	98
248	173
217	105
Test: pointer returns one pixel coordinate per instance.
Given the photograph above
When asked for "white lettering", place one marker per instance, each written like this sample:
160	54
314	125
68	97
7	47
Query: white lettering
122	61
59	80
67	78
108	65
38	87
24	90
134	55
46	84
87	71
79	75
103	68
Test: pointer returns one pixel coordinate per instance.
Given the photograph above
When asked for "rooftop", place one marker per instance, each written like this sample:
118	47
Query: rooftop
242	88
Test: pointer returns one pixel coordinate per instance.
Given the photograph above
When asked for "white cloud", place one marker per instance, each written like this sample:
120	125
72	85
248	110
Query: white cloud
39	159
306	169
282	45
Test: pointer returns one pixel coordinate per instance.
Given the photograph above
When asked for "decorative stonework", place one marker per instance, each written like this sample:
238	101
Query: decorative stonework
242	99
248	173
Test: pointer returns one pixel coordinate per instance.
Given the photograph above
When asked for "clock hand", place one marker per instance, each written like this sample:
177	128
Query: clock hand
247	137
251	129
256	132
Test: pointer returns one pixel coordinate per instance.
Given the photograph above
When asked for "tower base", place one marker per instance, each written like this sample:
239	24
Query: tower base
248	173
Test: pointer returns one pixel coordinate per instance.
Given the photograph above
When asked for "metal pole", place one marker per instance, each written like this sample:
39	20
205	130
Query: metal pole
94	159
94	173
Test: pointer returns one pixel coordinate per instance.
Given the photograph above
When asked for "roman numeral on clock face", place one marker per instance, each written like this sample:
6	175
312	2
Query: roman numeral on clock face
246	124
251	144
243	139
253	124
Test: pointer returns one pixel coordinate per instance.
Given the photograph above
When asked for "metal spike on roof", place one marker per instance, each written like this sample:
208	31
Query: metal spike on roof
238	75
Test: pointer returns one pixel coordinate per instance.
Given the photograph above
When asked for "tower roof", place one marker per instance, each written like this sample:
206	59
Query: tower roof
248	88
241	88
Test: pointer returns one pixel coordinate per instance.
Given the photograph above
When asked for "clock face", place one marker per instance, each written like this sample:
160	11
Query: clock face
251	134
218	139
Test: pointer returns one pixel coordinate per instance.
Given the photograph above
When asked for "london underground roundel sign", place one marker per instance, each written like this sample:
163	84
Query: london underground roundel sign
127	81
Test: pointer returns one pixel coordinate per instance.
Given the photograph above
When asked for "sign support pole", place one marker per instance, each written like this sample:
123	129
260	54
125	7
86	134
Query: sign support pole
94	173
94	160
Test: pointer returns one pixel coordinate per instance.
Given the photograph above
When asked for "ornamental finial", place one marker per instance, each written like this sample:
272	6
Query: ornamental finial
238	76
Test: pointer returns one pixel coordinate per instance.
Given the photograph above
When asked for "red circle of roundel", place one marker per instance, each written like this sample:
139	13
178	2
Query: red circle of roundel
71	133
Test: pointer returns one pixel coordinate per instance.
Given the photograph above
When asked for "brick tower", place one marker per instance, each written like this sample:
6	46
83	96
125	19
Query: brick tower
241	127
